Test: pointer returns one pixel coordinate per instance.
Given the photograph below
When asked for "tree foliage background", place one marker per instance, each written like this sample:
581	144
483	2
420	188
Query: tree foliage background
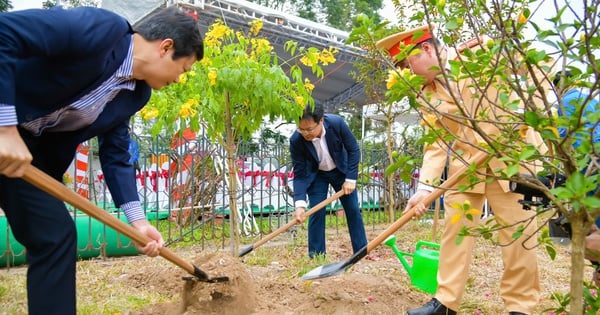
5	5
335	13
71	3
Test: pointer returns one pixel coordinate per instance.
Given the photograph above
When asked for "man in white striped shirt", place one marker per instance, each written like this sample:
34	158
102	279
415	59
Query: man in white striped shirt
67	76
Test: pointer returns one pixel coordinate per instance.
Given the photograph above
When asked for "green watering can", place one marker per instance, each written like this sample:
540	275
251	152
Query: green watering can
425	262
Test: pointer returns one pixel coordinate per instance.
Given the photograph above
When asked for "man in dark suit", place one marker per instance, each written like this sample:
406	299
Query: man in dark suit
324	152
67	76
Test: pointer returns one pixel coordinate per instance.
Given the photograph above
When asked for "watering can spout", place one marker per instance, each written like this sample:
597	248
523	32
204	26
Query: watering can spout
391	242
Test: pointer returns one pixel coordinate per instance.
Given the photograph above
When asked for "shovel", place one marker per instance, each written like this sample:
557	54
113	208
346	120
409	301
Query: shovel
51	186
339	267
290	224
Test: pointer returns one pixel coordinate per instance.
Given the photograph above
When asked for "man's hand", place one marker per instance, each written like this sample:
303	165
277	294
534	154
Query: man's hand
415	202
348	187
592	246
14	155
300	214
151	248
592	252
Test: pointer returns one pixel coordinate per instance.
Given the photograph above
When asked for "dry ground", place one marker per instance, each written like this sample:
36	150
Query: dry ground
267	281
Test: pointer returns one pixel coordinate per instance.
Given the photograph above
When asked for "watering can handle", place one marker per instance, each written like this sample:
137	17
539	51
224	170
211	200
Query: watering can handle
427	244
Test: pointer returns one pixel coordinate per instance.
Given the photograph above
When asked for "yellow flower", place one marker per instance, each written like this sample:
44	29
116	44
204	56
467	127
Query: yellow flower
149	114
327	56
206	62
256	26
523	131
240	36
216	33
187	109
455	218
305	60
212	76
192	102
307	85
392	79
183	78
300	100
261	45
522	18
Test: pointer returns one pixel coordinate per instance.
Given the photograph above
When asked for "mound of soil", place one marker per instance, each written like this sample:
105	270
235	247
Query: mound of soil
369	287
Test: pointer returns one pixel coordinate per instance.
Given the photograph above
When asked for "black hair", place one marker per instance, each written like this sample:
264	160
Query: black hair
178	25
561	75
315	113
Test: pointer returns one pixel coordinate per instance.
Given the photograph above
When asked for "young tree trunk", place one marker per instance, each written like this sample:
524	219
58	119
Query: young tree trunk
391	180
579	228
232	175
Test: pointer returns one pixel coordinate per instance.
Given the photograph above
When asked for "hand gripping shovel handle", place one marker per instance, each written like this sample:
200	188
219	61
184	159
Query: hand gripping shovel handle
284	228
448	183
51	186
339	267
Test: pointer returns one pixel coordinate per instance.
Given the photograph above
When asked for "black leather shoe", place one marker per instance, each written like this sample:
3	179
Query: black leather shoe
433	307
516	313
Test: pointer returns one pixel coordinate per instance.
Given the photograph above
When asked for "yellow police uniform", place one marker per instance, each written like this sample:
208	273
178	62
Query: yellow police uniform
520	287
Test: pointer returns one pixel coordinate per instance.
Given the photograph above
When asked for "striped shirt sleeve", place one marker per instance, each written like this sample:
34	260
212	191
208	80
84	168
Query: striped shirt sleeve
133	211
8	115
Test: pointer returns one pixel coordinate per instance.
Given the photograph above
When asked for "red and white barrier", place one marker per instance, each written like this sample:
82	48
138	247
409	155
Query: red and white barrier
81	171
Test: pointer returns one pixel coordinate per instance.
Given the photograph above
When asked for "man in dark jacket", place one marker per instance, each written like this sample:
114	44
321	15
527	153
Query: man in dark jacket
324	152
67	76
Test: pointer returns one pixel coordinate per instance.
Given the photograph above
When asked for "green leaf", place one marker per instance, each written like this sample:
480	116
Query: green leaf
551	251
512	170
532	119
518	233
527	154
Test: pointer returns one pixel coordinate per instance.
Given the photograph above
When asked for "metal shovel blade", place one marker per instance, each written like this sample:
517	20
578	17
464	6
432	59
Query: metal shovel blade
202	276
335	269
246	250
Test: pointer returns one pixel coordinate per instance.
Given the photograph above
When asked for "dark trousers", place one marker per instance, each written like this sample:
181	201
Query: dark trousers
317	192
43	225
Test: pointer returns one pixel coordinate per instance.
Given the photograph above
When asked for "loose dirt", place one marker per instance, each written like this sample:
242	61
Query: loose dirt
366	289
376	286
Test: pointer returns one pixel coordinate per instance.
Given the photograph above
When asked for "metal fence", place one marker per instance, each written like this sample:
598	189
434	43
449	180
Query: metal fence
184	189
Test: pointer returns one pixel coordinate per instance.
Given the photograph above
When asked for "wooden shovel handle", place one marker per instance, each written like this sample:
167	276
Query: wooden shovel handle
293	222
53	187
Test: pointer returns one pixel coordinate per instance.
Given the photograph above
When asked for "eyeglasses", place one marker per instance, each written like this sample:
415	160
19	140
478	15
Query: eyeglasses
404	64
308	131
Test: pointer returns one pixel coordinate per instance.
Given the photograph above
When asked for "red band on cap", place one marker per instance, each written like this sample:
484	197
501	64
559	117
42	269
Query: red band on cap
191	13
410	40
